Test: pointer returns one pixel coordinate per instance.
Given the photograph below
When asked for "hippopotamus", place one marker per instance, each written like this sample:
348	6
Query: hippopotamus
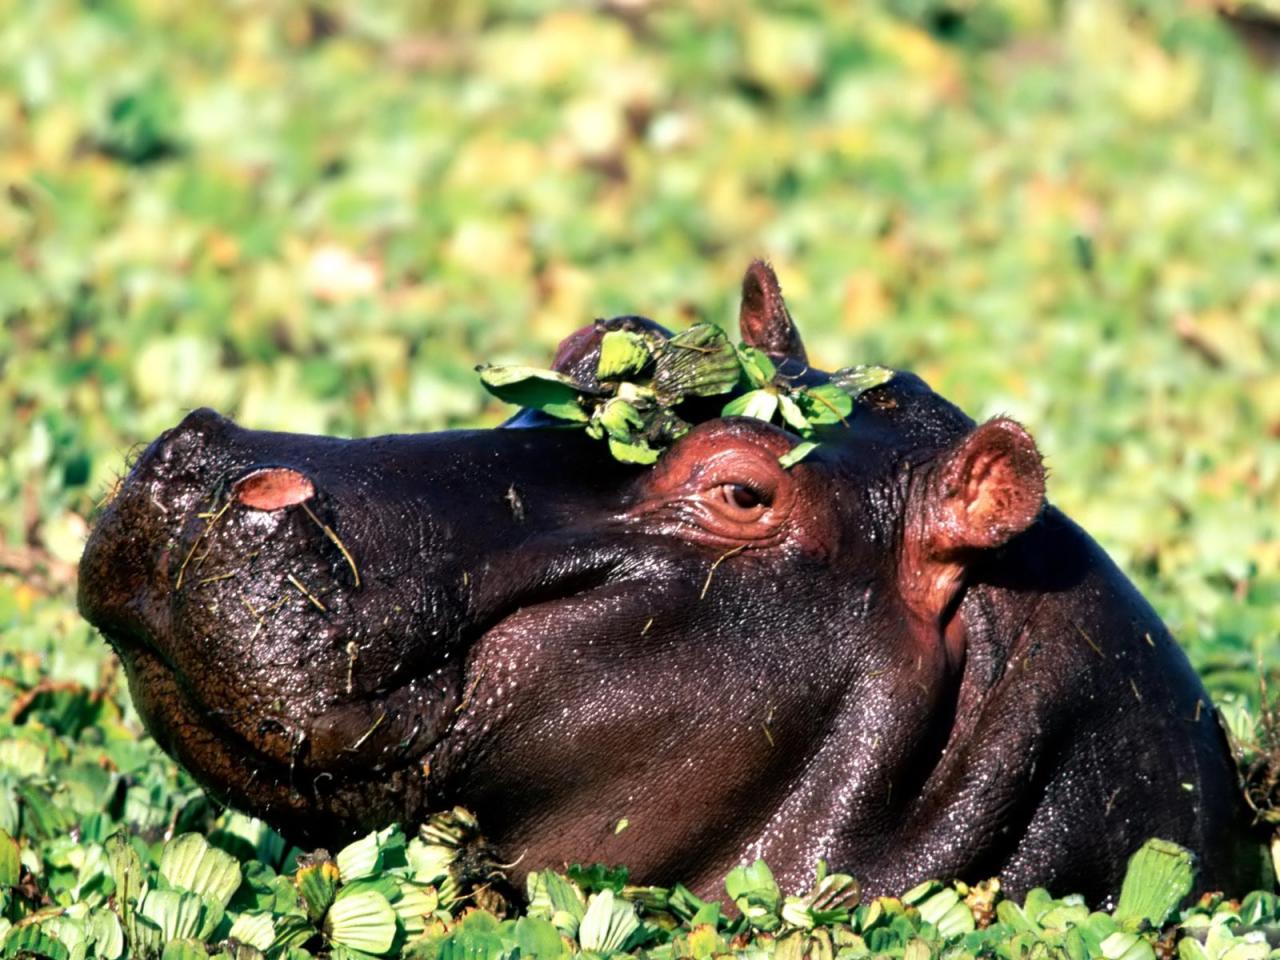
895	655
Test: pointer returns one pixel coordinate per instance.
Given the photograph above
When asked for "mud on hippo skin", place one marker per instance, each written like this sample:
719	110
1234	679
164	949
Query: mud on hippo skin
893	655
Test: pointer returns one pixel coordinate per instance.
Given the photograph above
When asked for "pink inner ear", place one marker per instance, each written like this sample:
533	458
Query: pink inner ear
997	486
273	488
763	317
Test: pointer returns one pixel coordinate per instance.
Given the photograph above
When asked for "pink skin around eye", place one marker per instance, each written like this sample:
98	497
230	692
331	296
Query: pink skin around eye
723	485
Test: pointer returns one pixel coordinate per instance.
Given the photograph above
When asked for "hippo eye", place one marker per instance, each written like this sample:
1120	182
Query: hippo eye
741	496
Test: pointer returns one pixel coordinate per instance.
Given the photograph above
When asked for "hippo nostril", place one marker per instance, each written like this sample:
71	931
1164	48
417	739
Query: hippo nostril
272	488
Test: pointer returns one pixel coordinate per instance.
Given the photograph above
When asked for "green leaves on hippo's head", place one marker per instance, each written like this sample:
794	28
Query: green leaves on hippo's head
546	390
643	380
698	362
759	370
623	354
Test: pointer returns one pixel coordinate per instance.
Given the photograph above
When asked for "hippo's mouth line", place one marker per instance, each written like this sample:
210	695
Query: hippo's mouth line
165	691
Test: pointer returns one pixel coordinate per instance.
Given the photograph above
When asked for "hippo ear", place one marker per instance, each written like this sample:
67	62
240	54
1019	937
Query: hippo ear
990	488
763	317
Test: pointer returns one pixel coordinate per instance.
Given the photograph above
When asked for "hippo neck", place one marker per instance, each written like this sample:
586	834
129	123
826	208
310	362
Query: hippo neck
1043	608
919	753
1006	601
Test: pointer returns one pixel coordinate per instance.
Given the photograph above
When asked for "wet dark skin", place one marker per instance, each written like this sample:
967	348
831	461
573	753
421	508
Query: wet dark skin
893	655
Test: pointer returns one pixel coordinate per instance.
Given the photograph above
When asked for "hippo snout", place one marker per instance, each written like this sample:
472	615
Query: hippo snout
129	552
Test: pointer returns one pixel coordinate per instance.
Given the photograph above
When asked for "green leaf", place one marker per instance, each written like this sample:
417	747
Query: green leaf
432	854
704	942
10	861
178	914
1122	945
552	897
539	939
761	404
107	934
414	905
1160	875
797	453
188	862
476	936
255	928
623	354
792	415
708	913
607	924
368	855
363	920
126	870
824	404
1013	916
144	936
598	877
22	757
855	381
184	950
262	889
833	897
317	882
756	364
31	941
756	894
619	419
687	905
637	451
921	892
1038	903
360	858
697	362
291	930
1191	949
946	911
546	390
42	818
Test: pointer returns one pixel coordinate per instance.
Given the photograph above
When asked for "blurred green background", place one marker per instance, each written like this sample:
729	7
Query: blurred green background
319	218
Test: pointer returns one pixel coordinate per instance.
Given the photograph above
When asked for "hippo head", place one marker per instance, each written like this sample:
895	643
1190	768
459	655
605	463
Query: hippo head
892	654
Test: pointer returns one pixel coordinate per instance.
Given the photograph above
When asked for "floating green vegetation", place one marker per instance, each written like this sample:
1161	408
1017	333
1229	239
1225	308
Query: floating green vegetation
642	377
238	895
319	218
